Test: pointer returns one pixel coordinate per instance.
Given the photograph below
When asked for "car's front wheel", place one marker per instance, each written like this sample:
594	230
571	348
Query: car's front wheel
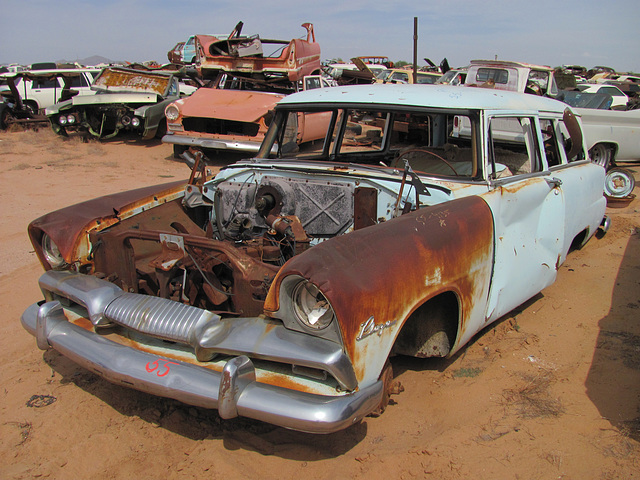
178	150
6	118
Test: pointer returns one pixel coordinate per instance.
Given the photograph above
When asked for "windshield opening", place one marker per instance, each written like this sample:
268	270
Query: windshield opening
431	142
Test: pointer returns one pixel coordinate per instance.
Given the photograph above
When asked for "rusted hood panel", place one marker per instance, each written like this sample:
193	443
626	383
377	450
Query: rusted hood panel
67	225
122	80
241	106
388	270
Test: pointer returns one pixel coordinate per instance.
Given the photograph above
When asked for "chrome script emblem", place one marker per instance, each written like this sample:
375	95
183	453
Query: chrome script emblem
369	327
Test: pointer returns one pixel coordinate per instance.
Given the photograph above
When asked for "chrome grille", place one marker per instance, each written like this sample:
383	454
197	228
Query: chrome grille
158	317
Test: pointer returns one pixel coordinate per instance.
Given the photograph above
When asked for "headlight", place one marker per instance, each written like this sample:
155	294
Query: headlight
62	119
135	122
172	112
71	119
51	252
310	306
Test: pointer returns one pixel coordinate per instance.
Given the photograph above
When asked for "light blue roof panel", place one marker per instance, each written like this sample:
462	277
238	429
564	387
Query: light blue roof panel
437	96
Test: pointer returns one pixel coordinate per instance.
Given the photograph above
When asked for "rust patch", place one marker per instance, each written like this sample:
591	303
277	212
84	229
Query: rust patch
388	271
68	226
122	79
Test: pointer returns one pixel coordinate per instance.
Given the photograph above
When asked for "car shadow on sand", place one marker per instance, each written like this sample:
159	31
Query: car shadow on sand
200	424
613	381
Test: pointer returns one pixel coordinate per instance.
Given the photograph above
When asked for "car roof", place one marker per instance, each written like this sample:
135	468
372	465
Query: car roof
435	96
508	63
596	86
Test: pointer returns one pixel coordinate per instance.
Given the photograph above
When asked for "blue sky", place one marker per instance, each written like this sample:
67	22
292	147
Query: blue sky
544	32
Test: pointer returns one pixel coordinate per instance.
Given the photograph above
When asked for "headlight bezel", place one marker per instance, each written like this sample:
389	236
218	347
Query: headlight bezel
172	113
311	307
51	252
286	311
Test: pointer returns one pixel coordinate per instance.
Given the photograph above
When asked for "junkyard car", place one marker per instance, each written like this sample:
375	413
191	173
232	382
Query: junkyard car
175	54
280	288
398	75
125	100
620	100
512	76
610	135
245	78
40	89
26	93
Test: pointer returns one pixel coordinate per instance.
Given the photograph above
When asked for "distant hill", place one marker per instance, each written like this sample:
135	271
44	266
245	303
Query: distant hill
89	61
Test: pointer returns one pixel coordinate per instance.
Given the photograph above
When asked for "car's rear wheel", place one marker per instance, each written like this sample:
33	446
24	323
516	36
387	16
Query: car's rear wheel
32	106
601	154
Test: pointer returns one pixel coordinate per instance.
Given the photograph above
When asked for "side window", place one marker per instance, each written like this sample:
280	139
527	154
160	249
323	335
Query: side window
513	145
614	92
550	140
174	89
45	83
78	82
400	77
312	82
537	82
496	75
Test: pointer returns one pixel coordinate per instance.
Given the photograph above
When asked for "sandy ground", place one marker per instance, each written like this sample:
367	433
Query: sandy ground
551	391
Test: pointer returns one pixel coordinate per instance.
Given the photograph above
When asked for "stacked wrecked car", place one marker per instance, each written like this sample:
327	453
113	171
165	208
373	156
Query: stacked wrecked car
243	78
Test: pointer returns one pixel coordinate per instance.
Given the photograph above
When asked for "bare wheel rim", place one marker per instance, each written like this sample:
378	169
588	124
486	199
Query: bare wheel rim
619	183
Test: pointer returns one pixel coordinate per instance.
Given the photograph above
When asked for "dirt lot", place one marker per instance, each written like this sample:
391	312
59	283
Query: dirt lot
551	391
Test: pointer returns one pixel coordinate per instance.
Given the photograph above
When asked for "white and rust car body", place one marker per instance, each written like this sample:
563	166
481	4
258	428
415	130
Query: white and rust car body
125	99
279	289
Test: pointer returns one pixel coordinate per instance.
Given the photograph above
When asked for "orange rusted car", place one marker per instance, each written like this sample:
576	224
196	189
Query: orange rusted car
245	78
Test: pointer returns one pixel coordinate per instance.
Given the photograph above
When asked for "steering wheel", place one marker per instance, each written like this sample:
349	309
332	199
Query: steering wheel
424	150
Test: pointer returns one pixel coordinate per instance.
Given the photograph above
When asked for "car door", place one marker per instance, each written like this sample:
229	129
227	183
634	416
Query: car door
581	179
44	91
528	208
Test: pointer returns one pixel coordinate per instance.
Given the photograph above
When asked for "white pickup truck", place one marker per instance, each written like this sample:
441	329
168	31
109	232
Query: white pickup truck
610	134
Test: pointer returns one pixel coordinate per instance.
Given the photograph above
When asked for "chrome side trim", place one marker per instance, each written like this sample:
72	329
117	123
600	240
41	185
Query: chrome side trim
234	391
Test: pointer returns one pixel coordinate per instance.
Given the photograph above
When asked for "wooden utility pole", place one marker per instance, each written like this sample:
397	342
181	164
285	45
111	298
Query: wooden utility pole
415	48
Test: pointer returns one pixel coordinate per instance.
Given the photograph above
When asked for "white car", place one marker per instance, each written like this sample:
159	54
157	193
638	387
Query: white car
619	98
42	92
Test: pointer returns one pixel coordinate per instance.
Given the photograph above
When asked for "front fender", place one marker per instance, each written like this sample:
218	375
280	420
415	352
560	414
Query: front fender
153	115
68	227
375	278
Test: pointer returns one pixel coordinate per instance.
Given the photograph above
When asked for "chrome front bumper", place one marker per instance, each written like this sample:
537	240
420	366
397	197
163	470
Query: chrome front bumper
216	144
234	391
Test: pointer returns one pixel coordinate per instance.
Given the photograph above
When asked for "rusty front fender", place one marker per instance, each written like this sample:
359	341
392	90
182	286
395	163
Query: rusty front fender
375	278
68	227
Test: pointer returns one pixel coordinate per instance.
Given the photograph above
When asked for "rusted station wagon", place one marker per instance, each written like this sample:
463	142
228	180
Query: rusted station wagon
280	288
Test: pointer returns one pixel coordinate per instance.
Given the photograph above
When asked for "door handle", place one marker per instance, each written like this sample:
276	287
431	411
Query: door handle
554	182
